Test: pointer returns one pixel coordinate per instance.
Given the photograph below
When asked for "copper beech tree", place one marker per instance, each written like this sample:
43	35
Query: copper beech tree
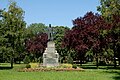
37	44
88	32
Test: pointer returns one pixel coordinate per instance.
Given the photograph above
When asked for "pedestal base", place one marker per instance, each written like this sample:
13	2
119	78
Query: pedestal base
50	56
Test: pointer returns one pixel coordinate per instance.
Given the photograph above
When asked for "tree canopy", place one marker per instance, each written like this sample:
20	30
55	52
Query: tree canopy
12	29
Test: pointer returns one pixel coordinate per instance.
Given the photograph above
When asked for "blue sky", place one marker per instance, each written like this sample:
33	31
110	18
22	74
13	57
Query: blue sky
55	12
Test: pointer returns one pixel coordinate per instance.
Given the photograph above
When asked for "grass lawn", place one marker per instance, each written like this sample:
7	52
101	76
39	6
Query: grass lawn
88	74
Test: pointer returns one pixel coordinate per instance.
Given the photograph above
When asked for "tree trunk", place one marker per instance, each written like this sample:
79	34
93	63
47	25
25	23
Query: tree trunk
97	62
114	62
81	62
12	57
12	62
114	49
19	61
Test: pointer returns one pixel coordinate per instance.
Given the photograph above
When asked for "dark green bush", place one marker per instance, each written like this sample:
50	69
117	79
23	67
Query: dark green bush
74	66
28	66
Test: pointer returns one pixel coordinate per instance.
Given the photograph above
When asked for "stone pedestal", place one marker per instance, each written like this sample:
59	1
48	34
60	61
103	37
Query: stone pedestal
50	56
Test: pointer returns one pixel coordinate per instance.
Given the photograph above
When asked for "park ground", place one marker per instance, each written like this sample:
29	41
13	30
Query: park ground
90	73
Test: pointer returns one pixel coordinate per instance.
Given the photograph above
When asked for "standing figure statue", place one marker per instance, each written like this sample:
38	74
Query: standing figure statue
50	33
50	56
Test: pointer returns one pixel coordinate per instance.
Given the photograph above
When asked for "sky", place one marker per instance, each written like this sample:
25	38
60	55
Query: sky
54	12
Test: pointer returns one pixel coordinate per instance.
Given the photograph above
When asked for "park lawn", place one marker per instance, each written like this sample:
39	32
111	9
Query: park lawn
88	74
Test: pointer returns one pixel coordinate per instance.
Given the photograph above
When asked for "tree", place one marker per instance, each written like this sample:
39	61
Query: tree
1	38
26	60
13	27
35	28
110	10
58	34
36	40
86	35
37	45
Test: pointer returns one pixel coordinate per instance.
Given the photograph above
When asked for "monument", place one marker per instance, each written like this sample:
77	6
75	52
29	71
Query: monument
50	56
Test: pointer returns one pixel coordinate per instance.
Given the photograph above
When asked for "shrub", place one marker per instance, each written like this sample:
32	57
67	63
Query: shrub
26	60
40	59
66	66
70	60
74	66
34	65
28	66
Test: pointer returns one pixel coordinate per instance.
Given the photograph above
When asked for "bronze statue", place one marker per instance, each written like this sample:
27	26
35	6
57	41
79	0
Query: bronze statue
50	33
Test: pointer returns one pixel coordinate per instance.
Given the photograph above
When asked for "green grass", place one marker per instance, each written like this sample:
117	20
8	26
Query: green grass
88	74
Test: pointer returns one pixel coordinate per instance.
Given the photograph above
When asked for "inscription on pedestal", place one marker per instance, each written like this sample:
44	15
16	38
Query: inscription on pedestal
50	61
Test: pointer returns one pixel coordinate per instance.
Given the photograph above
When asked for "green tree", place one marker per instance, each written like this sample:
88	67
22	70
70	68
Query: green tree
26	60
12	29
35	28
32	38
58	34
1	37
110	10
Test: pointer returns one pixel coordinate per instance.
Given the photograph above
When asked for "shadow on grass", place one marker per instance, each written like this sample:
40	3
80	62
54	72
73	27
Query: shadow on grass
100	67
88	67
92	66
117	78
5	68
105	69
117	73
108	69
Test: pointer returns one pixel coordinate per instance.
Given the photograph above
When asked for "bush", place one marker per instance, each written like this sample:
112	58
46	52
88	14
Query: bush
34	65
28	66
70	60
26	60
66	65
74	66
40	59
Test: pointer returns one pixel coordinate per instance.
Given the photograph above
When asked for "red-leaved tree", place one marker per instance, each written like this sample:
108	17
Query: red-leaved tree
37	44
87	33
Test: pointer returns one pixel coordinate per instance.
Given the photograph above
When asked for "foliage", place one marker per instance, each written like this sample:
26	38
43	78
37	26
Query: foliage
34	65
74	66
36	41
26	60
102	63
58	34
36	45
34	29
70	59
87	34
28	66
65	66
12	32
110	10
